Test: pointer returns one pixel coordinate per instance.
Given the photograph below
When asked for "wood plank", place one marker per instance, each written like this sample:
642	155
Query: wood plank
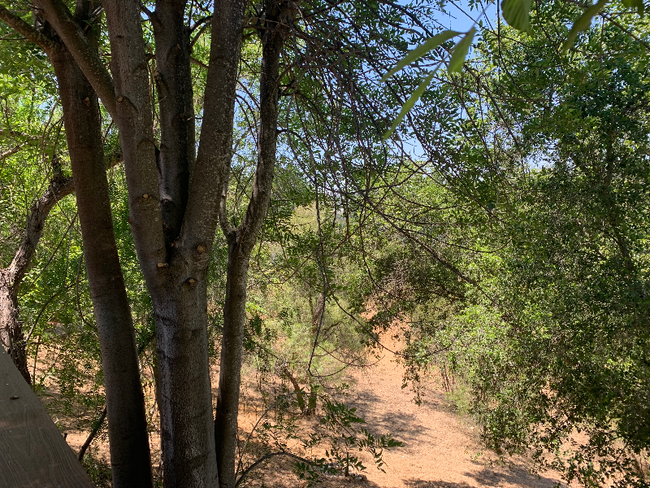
33	453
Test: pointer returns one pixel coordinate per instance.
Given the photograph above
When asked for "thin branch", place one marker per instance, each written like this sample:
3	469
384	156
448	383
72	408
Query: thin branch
34	228
97	424
208	23
267	457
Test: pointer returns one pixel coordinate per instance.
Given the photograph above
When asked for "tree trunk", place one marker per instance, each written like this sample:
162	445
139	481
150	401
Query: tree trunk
184	378
175	265
279	16
11	331
127	424
177	128
231	357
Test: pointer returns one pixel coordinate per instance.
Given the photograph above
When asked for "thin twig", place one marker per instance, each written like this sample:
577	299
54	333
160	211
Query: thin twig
269	456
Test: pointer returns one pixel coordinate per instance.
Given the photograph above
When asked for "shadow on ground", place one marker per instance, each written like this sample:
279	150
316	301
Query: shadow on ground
404	425
435	484
515	475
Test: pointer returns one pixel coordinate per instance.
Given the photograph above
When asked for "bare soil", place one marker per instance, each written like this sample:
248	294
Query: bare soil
441	448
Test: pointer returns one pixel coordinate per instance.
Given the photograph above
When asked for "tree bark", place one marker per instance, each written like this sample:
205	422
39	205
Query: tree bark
71	33
231	357
11	331
277	26
127	424
175	97
174	244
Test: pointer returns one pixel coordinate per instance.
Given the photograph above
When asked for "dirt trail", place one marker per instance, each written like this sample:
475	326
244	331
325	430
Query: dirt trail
440	450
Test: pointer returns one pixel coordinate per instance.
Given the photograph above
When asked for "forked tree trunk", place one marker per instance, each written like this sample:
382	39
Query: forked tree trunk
174	211
241	240
175	264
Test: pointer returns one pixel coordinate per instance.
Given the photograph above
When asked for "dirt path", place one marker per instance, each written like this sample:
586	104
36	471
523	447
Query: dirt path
440	450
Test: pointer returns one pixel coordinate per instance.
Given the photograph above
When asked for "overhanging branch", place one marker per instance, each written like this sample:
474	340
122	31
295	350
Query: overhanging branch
85	56
22	27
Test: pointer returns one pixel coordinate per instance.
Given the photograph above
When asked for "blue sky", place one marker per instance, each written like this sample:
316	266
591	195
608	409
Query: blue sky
461	18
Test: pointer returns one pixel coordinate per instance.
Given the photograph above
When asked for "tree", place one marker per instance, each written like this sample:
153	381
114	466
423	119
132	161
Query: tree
173	226
582	291
175	201
557	345
318	63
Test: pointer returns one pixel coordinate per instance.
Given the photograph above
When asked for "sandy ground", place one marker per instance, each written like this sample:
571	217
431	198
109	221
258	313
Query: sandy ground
441	449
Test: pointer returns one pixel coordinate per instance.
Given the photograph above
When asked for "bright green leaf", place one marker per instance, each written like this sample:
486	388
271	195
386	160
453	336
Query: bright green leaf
421	50
583	23
460	52
517	13
409	105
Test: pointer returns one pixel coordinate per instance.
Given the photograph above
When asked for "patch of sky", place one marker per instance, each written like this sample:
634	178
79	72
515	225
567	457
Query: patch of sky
460	16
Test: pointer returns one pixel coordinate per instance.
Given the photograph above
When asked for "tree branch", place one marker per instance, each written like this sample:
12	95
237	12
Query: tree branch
97	424
58	189
280	20
31	34
85	56
215	146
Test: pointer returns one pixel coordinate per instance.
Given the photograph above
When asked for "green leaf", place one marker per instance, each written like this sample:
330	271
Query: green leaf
460	52
635	4
421	50
409	105
583	24
517	13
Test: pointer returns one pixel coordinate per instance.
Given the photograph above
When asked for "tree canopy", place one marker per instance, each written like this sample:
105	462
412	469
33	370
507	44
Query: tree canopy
240	199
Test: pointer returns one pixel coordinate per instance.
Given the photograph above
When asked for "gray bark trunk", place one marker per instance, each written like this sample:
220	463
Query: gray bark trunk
174	227
231	357
11	330
279	17
174	265
184	382
127	424
175	97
